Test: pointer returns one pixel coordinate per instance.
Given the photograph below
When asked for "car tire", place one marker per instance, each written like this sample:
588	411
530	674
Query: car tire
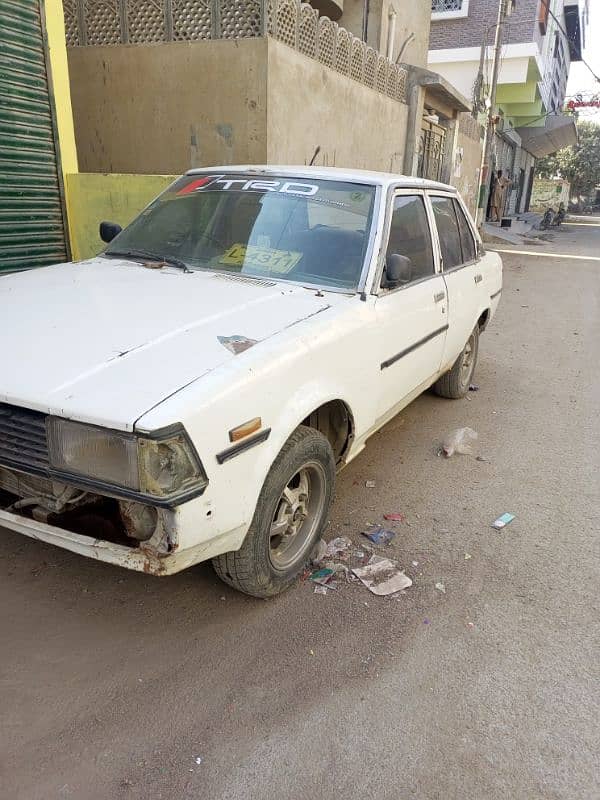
455	383
292	510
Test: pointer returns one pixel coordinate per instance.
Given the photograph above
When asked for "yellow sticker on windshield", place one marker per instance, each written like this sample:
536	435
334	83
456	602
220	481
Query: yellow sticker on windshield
262	258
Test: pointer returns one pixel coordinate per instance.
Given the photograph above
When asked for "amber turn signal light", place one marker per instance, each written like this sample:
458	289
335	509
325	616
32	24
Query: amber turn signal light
246	429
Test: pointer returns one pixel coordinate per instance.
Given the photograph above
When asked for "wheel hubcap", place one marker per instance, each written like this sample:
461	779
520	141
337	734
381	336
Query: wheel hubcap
297	515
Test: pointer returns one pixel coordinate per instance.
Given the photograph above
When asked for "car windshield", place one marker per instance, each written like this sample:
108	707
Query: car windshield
283	227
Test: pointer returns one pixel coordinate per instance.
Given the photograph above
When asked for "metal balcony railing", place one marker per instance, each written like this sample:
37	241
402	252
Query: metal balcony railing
297	24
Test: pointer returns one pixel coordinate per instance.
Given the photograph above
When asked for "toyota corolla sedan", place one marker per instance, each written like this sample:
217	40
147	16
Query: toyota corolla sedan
192	391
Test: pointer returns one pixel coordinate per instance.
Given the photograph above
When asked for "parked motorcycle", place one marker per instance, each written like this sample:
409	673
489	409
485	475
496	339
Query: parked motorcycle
552	218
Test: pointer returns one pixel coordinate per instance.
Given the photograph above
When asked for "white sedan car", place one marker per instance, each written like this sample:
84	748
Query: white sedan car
190	393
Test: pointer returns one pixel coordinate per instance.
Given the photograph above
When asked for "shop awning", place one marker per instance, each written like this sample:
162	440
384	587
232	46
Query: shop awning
558	131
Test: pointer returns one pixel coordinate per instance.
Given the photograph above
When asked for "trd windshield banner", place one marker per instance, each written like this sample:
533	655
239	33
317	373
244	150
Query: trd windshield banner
243	183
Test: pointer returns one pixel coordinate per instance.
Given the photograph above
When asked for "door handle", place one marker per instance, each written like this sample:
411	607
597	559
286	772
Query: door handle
439	297
478	278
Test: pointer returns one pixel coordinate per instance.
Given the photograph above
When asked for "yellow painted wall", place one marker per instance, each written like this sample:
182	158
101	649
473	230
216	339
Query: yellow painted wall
60	89
94	197
59	83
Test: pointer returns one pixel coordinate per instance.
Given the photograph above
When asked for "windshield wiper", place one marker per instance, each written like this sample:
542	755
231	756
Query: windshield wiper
170	260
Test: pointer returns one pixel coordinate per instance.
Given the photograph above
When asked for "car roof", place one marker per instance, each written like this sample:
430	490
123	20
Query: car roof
328	173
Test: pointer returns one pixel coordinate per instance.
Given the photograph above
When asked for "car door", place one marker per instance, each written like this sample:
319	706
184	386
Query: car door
461	270
411	318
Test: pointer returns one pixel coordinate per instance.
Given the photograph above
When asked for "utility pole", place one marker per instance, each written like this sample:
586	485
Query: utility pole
504	9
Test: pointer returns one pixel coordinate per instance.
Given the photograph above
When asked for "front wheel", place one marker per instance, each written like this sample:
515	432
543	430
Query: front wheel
291	512
455	383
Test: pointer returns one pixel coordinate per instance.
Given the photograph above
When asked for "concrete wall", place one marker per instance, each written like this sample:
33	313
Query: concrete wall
162	109
411	17
309	105
166	108
352	17
92	198
467	161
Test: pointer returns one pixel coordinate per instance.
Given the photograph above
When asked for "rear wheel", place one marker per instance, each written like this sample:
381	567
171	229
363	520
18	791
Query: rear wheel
291	512
455	383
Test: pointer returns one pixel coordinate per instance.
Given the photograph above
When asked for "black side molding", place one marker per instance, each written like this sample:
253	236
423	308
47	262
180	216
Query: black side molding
407	350
241	447
495	295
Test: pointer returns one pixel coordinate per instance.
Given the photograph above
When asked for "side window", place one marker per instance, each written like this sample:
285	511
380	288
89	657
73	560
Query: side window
447	225
467	241
410	235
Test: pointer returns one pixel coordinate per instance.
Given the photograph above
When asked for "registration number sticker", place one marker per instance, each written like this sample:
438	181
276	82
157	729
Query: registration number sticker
264	258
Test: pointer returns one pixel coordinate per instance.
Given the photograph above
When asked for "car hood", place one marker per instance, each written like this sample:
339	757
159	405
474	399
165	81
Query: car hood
106	340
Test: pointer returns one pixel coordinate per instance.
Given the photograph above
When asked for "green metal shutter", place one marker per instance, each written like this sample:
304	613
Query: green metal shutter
32	232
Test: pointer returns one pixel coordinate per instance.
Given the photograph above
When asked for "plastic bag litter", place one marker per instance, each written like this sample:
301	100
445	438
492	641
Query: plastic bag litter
459	441
335	567
319	551
321	576
503	521
337	546
395	517
379	535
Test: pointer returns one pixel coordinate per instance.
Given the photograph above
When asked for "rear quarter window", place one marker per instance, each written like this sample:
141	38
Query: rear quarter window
448	231
469	248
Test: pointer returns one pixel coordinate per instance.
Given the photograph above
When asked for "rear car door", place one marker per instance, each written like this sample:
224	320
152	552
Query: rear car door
461	270
411	319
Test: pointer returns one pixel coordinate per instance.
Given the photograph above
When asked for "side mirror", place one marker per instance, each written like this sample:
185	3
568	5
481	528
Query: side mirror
108	231
397	271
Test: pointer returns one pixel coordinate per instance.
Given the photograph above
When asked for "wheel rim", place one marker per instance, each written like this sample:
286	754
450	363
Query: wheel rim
297	515
467	363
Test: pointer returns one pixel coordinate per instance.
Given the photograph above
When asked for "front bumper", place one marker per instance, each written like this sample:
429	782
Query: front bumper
137	558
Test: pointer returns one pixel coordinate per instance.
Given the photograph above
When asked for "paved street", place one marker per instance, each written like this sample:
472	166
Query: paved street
114	684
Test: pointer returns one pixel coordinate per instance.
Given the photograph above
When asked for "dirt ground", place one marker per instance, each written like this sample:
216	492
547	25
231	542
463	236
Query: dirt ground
119	685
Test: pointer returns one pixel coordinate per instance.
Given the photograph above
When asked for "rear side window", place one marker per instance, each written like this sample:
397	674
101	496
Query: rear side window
410	235
469	250
449	234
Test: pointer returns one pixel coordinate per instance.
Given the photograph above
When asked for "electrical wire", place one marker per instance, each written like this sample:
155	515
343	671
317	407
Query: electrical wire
481	83
486	62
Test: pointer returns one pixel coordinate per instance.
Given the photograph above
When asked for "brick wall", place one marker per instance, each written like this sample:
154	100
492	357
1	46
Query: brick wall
470	31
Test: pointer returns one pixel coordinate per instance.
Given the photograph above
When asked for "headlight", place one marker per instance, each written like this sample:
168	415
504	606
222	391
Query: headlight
167	466
162	466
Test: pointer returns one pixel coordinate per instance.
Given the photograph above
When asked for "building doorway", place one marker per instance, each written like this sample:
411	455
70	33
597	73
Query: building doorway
432	147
